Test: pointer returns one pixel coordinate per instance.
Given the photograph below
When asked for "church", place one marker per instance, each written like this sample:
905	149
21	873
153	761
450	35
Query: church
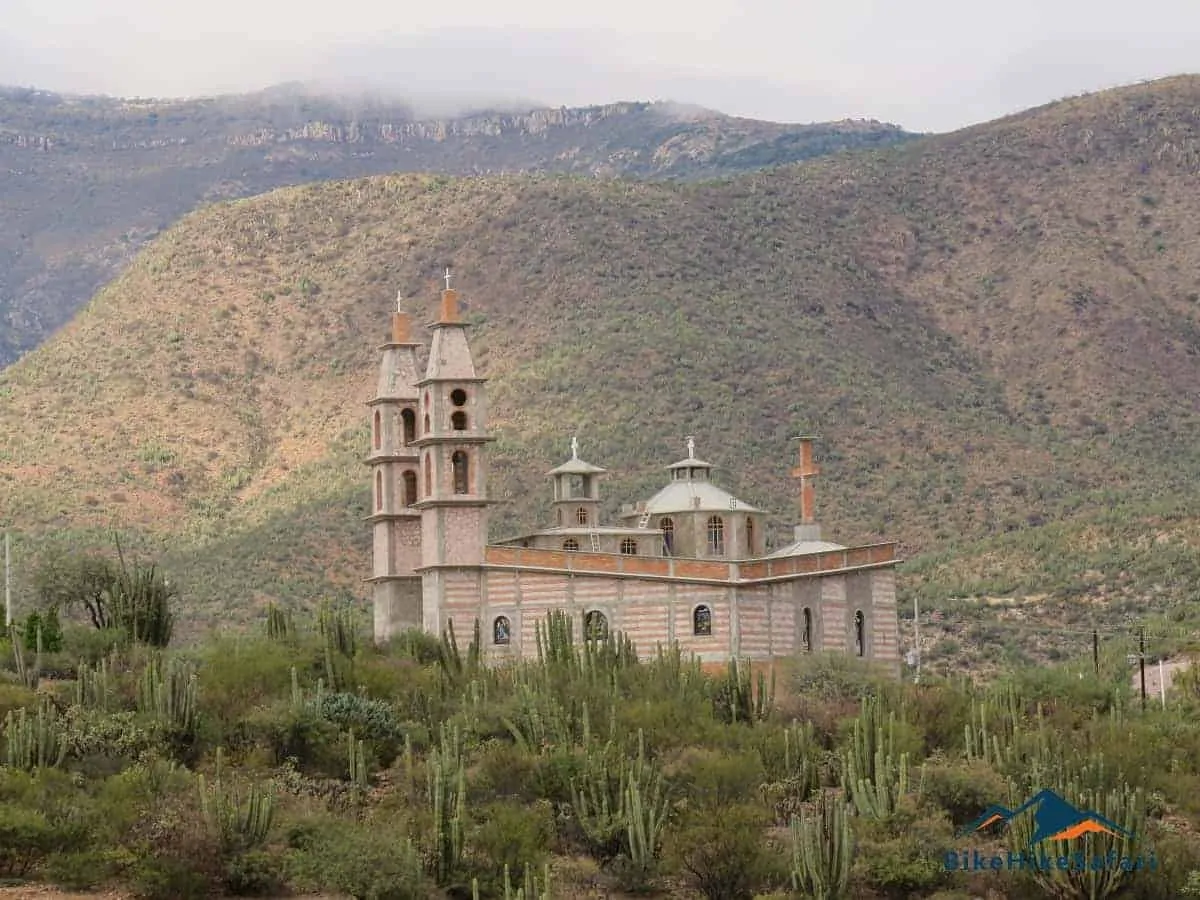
689	566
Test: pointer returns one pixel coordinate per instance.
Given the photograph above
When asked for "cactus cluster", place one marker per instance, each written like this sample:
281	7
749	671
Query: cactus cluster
239	823
281	625
736	698
447	792
168	693
822	850
37	741
94	687
874	776
620	803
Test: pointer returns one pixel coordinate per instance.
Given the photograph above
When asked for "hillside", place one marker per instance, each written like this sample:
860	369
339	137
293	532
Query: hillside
996	333
86	181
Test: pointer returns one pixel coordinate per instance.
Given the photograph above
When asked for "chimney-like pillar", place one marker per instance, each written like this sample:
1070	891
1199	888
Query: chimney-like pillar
804	472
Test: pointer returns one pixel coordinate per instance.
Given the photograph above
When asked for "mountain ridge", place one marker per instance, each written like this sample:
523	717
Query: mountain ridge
85	181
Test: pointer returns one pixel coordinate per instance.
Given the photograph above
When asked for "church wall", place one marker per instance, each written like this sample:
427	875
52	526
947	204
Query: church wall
462	535
687	598
643	611
382	564
397	606
833	614
405	535
886	626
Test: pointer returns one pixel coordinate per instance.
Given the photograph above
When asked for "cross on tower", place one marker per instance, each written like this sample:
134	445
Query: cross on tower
447	278
574	447
803	472
399	302
691	445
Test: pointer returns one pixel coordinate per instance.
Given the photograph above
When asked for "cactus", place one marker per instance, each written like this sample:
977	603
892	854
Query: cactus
448	798
93	689
34	742
622	817
736	699
1125	806
168	694
873	777
27	676
281	626
822	850
238	826
341	644
358	761
532	888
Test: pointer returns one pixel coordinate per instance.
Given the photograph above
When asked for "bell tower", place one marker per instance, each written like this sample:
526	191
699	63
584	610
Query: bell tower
396	523
804	471
451	439
576	492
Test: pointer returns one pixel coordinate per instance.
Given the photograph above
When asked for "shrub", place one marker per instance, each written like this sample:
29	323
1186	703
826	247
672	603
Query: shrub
28	837
963	789
722	853
370	860
512	836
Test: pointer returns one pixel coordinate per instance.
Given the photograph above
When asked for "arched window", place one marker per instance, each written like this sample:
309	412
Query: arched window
629	547
702	621
458	421
376	431
716	536
428	476
427	401
806	636
749	536
408	421
462	481
668	530
410	488
860	633
501	632
458	397
379	490
570	544
581	515
595	626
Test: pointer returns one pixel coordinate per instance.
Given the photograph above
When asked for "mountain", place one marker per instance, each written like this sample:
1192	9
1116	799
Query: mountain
86	181
996	333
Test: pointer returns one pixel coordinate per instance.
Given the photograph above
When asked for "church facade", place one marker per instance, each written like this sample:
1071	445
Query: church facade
689	566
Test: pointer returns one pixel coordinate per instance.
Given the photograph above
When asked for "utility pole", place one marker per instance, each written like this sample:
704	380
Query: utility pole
1142	661
7	582
917	638
1096	651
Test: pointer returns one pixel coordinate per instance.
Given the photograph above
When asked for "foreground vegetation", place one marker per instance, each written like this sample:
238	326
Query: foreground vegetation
299	759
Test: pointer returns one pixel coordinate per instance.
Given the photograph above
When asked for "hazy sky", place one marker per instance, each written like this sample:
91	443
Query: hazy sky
929	65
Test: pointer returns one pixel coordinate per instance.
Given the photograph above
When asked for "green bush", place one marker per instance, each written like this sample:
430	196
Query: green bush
371	860
511	836
721	853
29	837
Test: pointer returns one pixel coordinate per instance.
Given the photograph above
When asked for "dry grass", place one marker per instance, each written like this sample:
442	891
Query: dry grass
992	330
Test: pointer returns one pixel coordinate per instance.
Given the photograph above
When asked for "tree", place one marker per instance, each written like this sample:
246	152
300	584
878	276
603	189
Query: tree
135	599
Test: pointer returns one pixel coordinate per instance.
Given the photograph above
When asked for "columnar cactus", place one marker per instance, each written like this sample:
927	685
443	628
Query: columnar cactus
822	850
34	742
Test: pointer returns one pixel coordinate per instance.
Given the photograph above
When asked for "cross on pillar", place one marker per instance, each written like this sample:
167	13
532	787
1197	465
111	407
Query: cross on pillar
804	472
447	276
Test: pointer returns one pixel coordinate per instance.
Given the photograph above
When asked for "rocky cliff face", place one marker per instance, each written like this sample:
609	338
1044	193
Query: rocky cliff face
90	177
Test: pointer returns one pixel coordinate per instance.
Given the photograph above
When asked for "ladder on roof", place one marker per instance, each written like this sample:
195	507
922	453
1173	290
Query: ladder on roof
644	520
595	535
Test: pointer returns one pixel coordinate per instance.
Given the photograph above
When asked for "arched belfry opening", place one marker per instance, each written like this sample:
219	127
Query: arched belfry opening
460	463
408	422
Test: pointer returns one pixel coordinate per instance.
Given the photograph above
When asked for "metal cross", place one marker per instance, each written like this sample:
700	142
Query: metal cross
399	302
691	445
447	278
574	447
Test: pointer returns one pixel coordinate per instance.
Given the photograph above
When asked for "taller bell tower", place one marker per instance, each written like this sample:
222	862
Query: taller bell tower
394	459
452	437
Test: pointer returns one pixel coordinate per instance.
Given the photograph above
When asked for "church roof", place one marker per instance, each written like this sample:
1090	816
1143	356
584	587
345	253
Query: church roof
575	465
800	548
686	495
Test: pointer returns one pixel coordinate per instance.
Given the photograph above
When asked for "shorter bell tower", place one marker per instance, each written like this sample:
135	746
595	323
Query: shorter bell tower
804	472
394	461
576	492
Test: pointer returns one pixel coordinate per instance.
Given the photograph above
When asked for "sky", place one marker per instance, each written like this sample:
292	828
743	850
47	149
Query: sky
928	65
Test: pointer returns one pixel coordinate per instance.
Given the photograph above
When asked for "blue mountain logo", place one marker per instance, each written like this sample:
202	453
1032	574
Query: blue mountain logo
1054	819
